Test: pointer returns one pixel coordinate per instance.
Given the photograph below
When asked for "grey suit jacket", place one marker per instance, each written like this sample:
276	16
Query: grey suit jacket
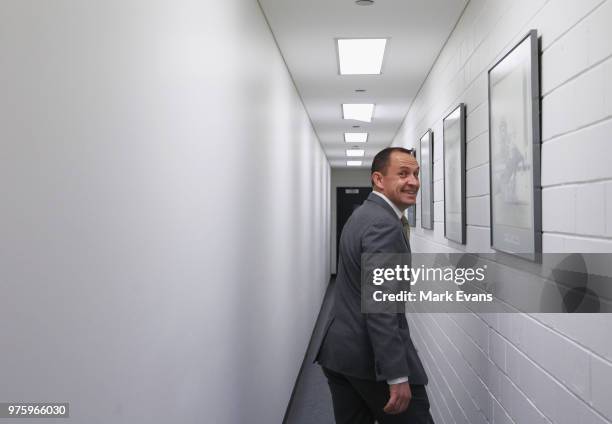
374	346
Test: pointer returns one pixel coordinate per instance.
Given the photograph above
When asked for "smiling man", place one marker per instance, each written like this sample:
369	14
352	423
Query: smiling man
372	367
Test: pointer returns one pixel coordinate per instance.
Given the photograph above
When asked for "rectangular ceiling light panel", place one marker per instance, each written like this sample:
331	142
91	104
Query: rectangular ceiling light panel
353	163
355	152
355	137
361	56
358	111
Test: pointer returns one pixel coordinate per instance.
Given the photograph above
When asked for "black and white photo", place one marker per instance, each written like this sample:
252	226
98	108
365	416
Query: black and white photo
426	172
454	174
514	150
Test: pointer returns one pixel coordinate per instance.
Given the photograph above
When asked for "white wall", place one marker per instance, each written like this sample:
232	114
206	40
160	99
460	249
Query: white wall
524	368
344	178
164	226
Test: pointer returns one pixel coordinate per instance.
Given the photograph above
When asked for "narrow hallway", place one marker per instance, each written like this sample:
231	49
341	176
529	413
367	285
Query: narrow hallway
175	176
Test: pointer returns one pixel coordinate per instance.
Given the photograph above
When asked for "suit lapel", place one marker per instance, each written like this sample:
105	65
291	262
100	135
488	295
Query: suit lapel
382	203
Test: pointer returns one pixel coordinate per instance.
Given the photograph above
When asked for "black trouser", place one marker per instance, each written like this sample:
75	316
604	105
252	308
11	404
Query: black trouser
358	401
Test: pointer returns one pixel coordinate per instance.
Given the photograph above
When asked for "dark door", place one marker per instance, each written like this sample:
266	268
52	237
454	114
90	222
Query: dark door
348	199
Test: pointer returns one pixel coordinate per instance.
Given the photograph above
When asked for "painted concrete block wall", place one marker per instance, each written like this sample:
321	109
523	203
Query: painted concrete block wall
344	178
512	368
165	221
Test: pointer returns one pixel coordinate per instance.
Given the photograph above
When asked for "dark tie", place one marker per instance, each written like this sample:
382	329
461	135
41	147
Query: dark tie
406	227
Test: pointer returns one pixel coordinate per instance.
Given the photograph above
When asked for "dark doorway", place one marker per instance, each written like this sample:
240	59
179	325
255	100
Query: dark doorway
347	200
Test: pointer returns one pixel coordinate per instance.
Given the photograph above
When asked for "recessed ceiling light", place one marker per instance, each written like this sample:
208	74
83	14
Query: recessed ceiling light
364	2
361	56
356	137
358	111
353	163
355	153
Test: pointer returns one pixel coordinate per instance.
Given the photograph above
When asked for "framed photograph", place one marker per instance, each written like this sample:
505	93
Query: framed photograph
411	210
514	150
453	139
411	215
426	153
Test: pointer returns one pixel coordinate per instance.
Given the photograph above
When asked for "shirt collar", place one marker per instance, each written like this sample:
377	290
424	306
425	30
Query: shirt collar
395	208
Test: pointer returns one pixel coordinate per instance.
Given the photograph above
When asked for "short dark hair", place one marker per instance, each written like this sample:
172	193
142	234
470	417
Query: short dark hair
380	163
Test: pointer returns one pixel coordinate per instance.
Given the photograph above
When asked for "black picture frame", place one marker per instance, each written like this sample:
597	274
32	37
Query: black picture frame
426	172
515	149
453	160
411	215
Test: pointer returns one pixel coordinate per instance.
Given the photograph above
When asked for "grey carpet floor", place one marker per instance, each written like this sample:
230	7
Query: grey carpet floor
311	402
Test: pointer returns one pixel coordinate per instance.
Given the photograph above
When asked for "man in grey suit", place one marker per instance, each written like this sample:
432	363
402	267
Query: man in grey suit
372	367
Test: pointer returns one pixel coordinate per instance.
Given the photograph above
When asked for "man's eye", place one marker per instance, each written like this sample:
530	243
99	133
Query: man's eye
403	175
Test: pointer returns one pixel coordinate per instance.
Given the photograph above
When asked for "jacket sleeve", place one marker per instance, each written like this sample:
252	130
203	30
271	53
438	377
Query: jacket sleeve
383	328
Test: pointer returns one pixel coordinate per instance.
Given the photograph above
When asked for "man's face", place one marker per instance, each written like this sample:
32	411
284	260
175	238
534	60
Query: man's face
400	183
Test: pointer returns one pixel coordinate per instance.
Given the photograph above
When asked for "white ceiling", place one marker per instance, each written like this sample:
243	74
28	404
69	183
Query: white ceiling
305	31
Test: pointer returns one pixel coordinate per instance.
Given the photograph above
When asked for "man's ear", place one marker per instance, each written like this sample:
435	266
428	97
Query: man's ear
377	180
